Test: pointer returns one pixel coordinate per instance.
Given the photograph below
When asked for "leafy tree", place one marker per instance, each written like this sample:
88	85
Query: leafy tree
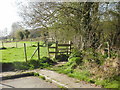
26	33
20	35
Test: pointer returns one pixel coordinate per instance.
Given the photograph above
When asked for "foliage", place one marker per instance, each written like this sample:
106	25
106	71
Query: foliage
61	57
93	67
20	35
26	33
3	48
50	44
76	60
42	77
36	74
46	60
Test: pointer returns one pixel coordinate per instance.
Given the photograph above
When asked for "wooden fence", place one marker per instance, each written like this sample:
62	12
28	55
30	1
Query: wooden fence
60	48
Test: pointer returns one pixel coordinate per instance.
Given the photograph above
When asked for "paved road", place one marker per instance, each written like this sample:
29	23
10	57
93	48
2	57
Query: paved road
26	82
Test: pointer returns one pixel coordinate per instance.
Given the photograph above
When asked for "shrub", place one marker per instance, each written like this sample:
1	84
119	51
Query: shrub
3	48
76	54
36	74
34	46
46	60
33	64
62	57
50	44
76	60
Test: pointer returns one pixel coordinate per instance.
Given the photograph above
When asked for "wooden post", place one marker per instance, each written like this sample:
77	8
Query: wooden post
2	44
67	49
108	49
48	50
38	51
16	44
70	46
56	49
25	52
31	42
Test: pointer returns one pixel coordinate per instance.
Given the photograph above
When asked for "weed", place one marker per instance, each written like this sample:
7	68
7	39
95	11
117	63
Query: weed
50	81
62	87
36	74
42	77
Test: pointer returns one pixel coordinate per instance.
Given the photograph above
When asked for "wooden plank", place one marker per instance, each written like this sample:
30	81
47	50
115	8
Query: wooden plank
59	52
52	47
63	44
63	49
52	52
34	53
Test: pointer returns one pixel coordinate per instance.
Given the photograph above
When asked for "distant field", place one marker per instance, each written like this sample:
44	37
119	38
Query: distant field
17	54
19	44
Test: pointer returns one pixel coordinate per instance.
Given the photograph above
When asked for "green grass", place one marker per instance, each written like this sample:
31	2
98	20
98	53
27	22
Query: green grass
15	57
17	54
86	76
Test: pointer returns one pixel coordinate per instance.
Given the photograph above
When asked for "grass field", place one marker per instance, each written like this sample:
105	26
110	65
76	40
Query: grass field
19	44
17	54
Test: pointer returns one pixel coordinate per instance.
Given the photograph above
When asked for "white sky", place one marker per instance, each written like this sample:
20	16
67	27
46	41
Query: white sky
8	15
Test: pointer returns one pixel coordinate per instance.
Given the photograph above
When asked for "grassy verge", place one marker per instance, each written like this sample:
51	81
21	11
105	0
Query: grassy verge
85	75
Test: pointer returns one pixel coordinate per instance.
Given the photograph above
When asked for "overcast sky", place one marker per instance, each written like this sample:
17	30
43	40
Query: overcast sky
8	15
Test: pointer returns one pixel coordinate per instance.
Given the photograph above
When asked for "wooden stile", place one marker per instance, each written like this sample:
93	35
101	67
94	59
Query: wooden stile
61	48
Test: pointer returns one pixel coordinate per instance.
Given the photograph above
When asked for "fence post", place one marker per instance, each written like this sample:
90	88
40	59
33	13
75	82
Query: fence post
38	51
2	44
56	49
16	44
48	50
70	46
31	41
108	47
25	52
